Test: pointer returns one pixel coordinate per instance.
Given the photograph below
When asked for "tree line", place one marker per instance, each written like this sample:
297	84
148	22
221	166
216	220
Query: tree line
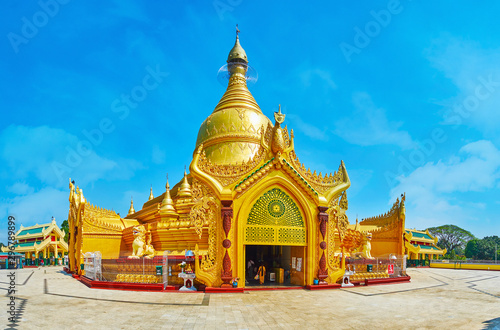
461	244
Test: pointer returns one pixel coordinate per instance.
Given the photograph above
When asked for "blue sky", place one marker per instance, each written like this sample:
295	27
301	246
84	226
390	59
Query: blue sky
406	93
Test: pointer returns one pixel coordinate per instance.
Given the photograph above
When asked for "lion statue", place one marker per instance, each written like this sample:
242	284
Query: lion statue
365	248
139	245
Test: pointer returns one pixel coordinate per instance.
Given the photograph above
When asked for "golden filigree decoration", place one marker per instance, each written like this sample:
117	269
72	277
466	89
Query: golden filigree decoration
336	214
241	113
94	220
200	191
384	219
320	183
202	210
237	80
228	174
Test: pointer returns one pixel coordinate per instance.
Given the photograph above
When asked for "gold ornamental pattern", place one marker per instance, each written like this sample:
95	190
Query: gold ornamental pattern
228	174
200	191
321	183
275	208
275	219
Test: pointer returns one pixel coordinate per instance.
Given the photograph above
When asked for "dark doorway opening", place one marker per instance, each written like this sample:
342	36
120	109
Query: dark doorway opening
284	265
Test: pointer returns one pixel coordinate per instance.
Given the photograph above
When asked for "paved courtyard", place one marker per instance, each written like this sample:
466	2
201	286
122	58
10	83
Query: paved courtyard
435	298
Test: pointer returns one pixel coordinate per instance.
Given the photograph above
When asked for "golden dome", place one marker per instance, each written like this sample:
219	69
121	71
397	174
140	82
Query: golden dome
232	132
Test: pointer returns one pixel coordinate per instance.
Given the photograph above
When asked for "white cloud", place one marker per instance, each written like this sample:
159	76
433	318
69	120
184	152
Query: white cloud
435	192
20	188
474	71
369	126
52	155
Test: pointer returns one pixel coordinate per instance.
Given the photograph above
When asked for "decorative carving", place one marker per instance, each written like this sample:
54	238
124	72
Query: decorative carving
241	113
228	174
323	219
92	220
254	177
275	208
227	217
77	204
386	218
343	201
320	183
203	209
275	219
141	246
323	271
209	263
227	273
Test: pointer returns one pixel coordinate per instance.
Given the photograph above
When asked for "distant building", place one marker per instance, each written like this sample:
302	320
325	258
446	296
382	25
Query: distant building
421	245
40	241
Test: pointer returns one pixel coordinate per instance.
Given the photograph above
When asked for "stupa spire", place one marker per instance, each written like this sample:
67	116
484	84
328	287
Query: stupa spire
237	93
131	209
185	188
151	196
167	204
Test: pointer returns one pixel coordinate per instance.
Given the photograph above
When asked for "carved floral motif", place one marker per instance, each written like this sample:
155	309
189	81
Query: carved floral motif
228	174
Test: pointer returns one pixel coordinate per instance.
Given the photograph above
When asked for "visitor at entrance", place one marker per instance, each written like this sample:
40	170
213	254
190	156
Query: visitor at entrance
262	273
250	268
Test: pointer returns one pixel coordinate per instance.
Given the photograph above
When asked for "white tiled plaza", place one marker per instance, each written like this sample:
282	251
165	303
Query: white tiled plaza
435	298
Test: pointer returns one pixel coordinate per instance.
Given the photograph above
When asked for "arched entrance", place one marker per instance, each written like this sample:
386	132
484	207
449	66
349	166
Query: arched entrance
275	236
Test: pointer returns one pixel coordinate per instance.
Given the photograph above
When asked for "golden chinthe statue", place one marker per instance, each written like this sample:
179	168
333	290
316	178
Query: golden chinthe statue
247	200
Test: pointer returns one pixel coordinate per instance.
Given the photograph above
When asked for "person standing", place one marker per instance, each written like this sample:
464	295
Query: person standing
250	267
262	273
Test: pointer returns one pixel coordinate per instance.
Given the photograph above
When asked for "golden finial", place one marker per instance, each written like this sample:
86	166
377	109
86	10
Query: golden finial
167	206
185	188
237	53
131	210
151	196
278	116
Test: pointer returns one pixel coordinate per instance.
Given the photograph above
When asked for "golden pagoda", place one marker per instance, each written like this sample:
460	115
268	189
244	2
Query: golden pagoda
247	198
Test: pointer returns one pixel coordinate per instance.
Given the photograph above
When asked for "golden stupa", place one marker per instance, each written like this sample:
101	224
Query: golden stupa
247	198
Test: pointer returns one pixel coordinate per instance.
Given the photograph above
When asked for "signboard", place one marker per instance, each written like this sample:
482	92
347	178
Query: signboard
299	264
159	270
390	269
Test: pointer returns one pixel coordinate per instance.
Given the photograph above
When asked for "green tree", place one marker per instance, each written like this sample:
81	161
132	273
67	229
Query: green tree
65	227
452	238
483	249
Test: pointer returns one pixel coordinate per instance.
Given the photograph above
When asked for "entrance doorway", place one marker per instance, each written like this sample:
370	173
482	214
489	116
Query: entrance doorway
284	265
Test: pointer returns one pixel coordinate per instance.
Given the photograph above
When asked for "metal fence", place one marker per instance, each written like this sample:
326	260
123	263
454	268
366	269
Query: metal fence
394	266
92	265
158	270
